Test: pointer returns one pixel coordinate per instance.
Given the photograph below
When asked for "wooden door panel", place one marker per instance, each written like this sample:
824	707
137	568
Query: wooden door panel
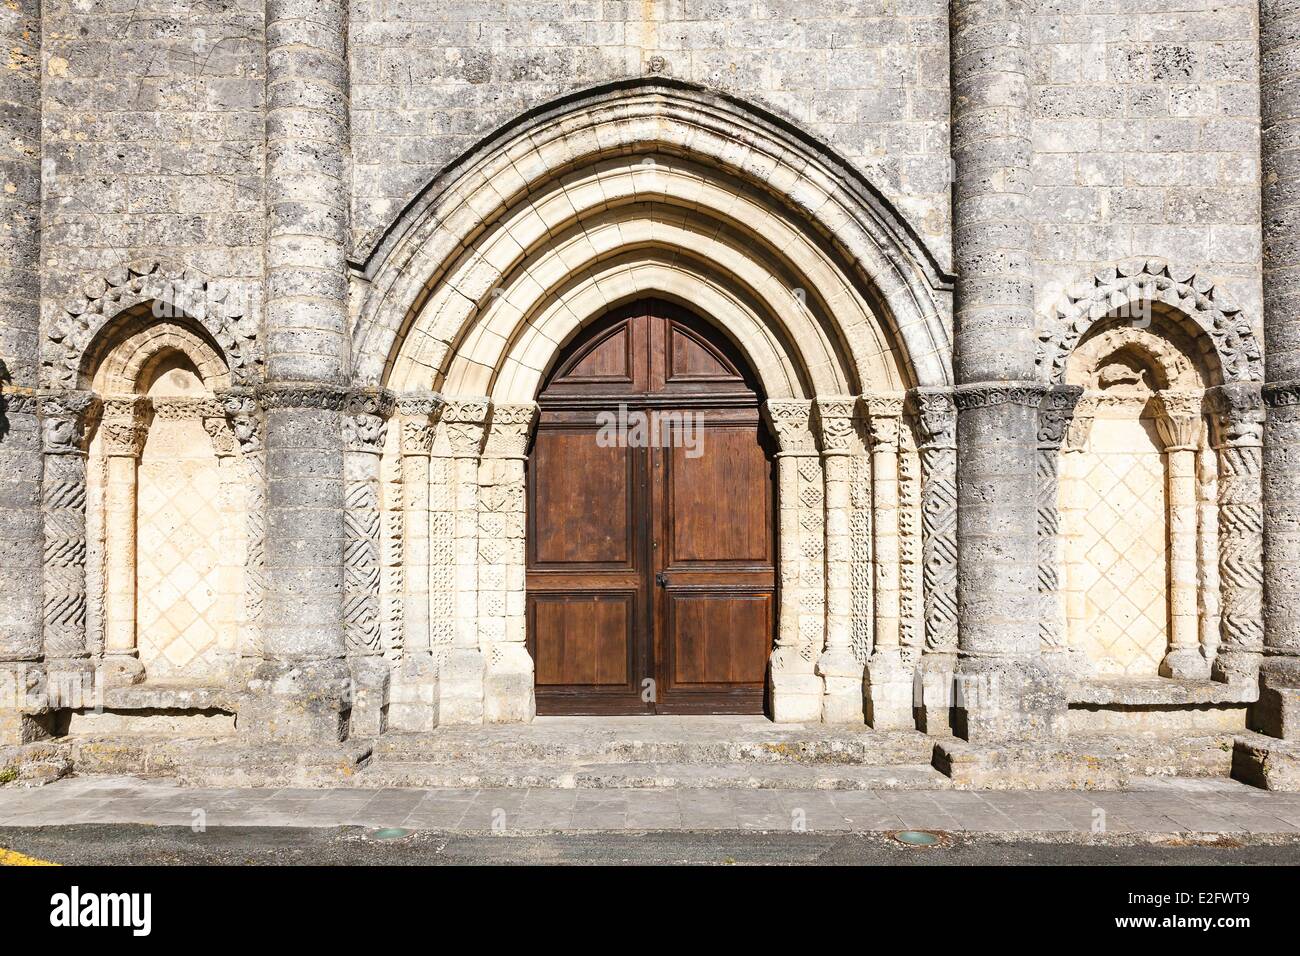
583	639
718	637
581	498
718	503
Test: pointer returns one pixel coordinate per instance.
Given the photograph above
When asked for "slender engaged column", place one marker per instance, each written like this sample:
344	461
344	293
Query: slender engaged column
21	547
838	666
64	421
1004	690
888	679
1054	417
796	690
232	505
1178	422
936	417
508	695
245	418
1238	438
365	428
461	679
123	431
301	691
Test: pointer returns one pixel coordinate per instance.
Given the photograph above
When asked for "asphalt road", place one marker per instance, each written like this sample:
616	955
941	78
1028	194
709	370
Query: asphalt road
126	844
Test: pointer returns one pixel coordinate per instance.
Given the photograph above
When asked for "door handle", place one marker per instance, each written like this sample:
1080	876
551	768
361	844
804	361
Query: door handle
661	579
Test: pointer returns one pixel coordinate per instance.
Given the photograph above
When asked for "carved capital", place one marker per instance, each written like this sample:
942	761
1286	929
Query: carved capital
245	416
936	417
1281	394
1080	425
1055	414
510	430
17	401
790	421
1238	410
993	394
64	417
835	421
465	420
419	413
365	424
124	425
311	395
1178	419
884	418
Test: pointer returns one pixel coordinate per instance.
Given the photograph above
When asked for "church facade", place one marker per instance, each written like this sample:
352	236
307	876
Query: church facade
910	366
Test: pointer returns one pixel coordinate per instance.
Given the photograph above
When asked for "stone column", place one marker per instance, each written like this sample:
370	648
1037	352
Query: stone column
1002	686
936	417
64	421
508	682
21	643
301	690
123	431
461	680
1178	421
1054	417
1075	599
228	610
365	428
889	679
1207	549
1239	433
796	690
245	418
838	666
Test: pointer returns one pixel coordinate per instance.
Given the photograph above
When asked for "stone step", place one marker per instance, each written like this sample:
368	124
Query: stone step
657	740
622	776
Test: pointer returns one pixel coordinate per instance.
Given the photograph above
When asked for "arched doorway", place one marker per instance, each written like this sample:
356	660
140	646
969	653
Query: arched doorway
651	538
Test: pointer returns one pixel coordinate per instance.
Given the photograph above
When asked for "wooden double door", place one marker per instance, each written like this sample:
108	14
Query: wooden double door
651	539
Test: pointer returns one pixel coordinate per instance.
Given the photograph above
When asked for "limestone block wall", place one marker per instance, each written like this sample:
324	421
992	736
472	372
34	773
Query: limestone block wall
1146	141
431	79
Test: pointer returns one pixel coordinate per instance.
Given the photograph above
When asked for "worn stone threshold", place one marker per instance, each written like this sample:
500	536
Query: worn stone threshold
1157	692
167	695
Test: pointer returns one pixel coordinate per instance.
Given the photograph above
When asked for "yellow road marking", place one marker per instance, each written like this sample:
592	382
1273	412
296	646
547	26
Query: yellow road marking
13	858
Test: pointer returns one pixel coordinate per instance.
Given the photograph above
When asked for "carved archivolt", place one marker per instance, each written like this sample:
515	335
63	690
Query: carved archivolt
1130	288
175	291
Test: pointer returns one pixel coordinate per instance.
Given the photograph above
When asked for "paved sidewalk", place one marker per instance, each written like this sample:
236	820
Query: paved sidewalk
1168	806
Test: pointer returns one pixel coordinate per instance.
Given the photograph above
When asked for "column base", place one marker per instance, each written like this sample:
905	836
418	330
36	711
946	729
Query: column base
890	691
1004	700
70	683
371	683
121	670
24	708
935	676
841	674
296	702
1235	666
508	685
1186	663
795	698
461	687
413	696
1267	763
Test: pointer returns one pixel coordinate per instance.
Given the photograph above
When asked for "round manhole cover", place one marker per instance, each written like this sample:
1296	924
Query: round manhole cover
918	838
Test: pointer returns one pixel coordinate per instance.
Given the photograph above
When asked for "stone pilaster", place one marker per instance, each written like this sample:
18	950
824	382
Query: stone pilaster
244	416
840	669
888	687
1054	418
301	690
508	679
462	674
796	689
365	428
123	430
64	425
1178	422
936	418
232	503
1238	437
21	545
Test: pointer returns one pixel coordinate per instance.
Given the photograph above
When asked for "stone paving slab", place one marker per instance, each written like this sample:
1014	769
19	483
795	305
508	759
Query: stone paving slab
1167	807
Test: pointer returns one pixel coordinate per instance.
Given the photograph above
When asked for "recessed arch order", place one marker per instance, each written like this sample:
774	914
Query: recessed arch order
651	188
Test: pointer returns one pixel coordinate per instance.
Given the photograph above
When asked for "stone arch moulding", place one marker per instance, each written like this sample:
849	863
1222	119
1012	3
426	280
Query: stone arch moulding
1191	297
471	265
181	292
